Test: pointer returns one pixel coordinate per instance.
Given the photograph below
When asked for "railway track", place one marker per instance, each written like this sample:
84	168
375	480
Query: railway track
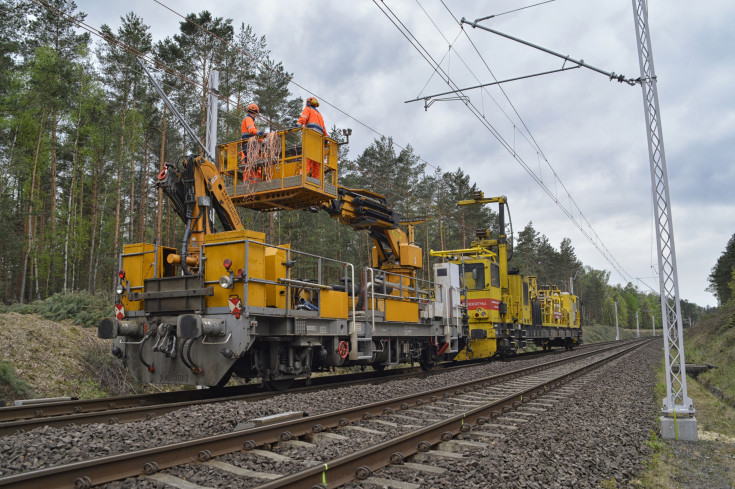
389	432
18	419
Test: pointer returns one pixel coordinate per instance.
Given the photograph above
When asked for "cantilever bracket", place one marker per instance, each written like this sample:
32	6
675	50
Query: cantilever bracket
611	75
428	101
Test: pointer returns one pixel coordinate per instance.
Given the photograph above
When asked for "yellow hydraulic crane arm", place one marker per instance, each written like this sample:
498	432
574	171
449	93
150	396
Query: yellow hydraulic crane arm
197	192
209	178
364	209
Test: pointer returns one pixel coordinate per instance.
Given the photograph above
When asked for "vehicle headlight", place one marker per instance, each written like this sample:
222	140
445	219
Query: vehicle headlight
225	281
120	289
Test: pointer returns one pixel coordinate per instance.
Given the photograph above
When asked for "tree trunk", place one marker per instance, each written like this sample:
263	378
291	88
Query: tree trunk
144	192
9	269
52	210
131	226
441	233
30	236
116	239
99	246
271	228
95	194
78	217
66	241
69	209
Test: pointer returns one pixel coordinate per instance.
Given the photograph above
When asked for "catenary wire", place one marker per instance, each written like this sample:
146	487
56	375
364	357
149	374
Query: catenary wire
604	251
179	75
162	66
297	85
540	151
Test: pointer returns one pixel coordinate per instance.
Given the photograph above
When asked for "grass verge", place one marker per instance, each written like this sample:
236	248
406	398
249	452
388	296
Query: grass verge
706	463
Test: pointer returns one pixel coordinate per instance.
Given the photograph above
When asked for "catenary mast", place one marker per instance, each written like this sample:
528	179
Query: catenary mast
678	411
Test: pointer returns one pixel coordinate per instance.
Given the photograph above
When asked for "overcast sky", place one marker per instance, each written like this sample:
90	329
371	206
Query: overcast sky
589	129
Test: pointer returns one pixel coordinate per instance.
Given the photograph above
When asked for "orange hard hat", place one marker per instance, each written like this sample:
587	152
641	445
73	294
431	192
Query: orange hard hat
253	109
311	101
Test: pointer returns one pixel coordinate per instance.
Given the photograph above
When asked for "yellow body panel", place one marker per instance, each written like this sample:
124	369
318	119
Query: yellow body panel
411	256
569	303
274	269
480	349
333	304
232	245
401	311
518	308
138	266
482	305
312	144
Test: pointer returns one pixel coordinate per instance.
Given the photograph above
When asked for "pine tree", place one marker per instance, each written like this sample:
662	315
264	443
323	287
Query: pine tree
126	86
722	274
55	33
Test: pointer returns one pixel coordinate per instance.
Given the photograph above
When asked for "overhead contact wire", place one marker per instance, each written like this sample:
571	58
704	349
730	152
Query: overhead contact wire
606	252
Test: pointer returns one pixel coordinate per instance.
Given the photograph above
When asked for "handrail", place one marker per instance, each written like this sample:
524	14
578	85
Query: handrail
288	282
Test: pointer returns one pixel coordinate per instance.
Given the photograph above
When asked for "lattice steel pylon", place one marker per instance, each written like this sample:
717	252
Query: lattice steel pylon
676	403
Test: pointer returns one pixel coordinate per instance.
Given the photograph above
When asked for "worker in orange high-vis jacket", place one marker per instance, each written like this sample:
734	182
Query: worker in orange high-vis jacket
312	119
247	128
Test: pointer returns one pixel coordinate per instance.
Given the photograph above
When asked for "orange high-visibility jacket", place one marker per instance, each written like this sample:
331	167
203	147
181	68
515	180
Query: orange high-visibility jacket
312	119
248	127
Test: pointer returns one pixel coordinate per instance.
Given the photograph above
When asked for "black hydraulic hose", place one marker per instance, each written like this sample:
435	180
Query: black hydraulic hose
140	352
194	367
185	242
188	172
183	355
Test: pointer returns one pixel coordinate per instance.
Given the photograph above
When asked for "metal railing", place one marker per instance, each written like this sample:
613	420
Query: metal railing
289	282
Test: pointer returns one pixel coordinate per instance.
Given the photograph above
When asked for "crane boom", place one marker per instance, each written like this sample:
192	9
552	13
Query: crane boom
364	209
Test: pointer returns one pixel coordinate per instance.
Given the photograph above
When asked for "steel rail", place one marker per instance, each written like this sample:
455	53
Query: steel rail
342	470
15	419
113	404
150	409
115	467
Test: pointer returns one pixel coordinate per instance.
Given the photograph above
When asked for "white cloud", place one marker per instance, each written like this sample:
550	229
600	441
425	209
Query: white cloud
591	129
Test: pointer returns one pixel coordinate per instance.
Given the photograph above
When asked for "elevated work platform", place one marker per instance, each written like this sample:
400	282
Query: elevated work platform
292	169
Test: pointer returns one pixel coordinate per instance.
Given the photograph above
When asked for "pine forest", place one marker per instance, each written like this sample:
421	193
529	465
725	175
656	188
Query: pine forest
83	136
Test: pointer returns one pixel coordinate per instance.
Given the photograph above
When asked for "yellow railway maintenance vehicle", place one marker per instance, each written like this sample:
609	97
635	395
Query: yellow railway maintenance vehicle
229	303
506	309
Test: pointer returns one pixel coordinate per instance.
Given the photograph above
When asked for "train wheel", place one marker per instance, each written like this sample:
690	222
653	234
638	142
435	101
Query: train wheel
426	366
428	357
379	367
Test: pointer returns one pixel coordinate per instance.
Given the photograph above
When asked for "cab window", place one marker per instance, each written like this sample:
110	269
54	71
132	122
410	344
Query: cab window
473	276
494	275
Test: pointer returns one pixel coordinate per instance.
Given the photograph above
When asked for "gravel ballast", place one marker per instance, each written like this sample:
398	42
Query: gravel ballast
598	436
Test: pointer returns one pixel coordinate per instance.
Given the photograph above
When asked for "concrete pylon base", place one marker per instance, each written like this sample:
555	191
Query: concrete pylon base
684	429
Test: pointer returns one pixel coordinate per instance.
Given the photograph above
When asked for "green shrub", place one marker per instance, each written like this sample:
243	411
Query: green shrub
11	384
655	444
82	308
